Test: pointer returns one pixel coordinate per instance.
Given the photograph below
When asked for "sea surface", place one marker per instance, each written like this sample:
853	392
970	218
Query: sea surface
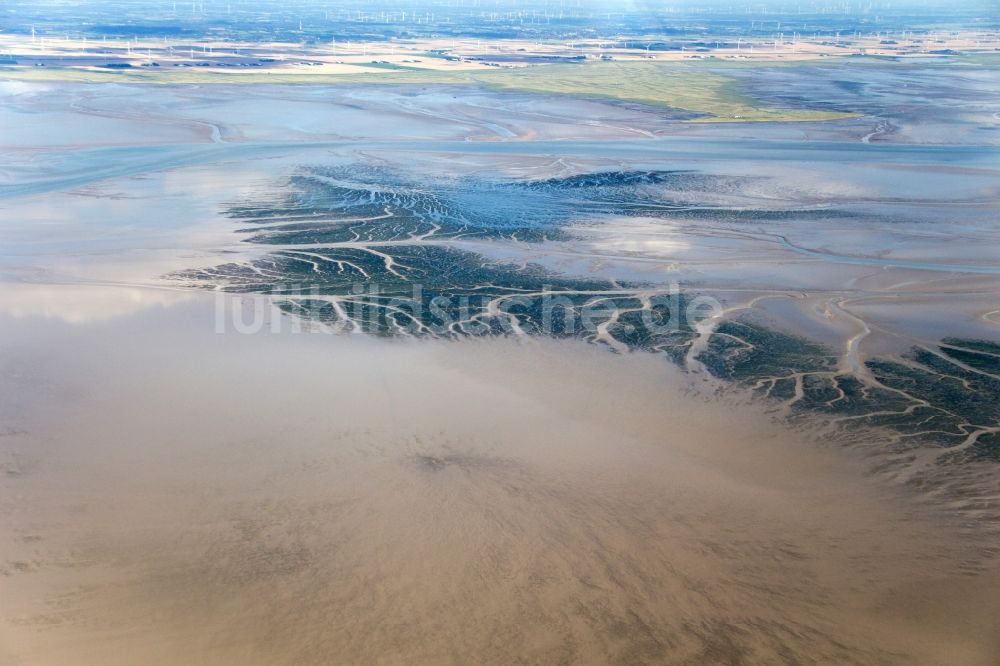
301	374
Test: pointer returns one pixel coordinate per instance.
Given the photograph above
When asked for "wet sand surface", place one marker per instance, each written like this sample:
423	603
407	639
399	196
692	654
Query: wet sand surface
173	495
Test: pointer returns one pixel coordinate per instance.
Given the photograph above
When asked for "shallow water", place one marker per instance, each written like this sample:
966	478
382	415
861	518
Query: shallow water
175	495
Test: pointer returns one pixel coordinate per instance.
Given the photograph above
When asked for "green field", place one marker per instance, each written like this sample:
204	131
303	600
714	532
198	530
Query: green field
679	86
691	87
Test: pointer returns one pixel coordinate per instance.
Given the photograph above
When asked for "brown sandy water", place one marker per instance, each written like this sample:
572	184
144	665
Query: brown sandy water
175	496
